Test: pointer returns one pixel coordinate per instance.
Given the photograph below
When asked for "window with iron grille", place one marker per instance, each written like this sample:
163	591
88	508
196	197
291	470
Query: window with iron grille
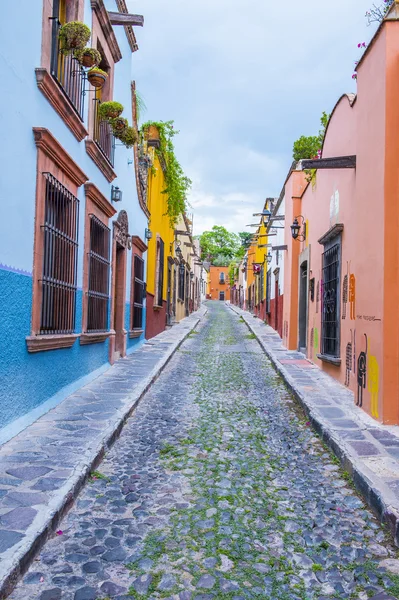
222	278
268	289
262	283
182	282
160	272
138	292
99	267
60	251
65	69
330	320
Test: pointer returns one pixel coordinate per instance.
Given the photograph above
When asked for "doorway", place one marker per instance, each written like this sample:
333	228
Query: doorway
119	301
221	296
303	306
169	296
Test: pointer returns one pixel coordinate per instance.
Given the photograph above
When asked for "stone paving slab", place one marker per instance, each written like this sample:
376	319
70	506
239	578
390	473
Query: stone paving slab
368	451
44	467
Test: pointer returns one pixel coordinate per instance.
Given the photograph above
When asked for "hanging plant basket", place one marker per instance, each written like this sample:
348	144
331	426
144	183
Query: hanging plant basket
129	137
97	77
88	57
119	126
74	36
110	110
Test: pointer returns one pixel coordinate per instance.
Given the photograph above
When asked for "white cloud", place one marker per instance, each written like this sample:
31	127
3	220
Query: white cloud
243	79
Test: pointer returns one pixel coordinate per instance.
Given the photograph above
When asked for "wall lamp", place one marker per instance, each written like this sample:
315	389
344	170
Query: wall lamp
148	234
116	194
296	229
269	258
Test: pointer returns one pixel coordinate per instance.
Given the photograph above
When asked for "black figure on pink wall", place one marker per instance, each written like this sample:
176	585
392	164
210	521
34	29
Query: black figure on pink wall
349	347
361	375
345	291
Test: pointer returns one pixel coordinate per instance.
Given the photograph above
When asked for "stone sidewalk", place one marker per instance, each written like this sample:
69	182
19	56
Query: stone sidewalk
43	468
368	451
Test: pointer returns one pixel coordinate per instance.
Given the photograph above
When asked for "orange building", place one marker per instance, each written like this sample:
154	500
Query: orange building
219	284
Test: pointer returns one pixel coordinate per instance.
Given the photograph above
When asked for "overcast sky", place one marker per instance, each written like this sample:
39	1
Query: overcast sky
243	79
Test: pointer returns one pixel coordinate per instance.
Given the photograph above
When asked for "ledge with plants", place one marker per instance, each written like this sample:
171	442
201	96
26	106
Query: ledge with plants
111	112
177	184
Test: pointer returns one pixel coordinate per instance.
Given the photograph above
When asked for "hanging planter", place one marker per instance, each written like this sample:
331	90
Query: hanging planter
88	57
151	135
97	77
110	110
119	126
129	137
74	36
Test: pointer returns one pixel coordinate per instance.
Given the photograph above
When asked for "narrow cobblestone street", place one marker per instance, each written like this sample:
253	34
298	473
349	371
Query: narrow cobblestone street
216	488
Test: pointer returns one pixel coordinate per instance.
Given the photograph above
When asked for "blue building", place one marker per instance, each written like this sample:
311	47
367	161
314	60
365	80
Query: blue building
71	251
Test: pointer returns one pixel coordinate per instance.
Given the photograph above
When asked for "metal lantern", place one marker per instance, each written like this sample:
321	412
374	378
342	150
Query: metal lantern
116	194
269	258
296	228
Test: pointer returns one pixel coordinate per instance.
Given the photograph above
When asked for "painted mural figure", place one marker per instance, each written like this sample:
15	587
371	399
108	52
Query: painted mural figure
352	295
373	383
361	375
345	292
348	360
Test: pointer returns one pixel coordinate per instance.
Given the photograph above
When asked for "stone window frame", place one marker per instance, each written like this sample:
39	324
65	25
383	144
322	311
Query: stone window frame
139	247
97	205
51	158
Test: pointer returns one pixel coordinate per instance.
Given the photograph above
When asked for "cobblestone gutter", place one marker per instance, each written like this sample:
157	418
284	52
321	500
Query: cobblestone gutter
367	450
43	469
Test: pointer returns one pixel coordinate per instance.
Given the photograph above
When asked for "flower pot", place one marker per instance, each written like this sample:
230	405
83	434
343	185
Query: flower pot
88	61
153	133
119	125
96	78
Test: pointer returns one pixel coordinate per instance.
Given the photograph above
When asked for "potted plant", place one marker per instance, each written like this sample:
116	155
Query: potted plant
110	110
151	133
119	126
129	137
88	57
73	36
97	77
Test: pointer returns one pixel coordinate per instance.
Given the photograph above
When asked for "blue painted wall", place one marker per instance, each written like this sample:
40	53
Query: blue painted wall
28	380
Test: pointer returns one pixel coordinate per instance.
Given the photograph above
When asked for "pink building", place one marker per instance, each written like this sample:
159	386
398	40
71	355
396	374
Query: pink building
341	281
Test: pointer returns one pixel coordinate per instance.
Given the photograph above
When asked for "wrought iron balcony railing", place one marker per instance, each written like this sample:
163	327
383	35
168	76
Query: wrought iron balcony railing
103	135
68	72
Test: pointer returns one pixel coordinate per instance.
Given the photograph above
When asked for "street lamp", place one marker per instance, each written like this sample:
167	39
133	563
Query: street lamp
269	258
116	194
296	228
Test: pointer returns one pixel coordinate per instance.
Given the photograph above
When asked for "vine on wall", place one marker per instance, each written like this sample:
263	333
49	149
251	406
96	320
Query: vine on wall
177	183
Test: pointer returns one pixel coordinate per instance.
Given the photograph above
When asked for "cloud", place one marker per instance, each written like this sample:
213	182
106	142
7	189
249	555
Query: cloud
243	79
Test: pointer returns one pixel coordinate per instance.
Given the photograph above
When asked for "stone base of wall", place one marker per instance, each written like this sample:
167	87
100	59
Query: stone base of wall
155	318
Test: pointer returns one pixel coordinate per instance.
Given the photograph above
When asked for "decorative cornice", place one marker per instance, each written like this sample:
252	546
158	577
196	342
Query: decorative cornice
140	196
60	103
131	38
106	26
331	234
53	149
138	242
99	199
41	343
97	156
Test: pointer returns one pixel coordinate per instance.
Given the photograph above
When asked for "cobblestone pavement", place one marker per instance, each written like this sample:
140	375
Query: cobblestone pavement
217	488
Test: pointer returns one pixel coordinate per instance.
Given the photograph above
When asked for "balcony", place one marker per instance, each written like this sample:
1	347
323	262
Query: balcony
102	135
67	72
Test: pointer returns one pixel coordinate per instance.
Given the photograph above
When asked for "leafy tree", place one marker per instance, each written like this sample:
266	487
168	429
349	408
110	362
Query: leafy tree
219	244
306	147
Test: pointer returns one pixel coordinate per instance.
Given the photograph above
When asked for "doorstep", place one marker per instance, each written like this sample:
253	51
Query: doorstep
44	467
367	450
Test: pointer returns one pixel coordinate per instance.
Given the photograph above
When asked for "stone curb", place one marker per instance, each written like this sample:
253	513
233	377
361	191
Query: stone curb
11	570
375	492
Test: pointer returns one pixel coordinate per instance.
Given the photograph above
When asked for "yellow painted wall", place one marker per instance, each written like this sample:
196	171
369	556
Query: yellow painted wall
158	224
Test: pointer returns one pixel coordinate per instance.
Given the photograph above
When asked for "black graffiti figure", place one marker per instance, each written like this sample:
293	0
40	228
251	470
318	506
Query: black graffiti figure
361	375
348	360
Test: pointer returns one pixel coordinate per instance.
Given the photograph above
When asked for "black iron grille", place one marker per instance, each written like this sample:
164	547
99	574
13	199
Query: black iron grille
138	293
268	289
60	251
99	267
102	135
67	71
330	299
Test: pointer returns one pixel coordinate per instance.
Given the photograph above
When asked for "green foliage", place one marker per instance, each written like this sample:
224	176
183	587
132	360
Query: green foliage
177	183
74	36
219	244
110	110
141	106
306	147
93	53
119	126
129	137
